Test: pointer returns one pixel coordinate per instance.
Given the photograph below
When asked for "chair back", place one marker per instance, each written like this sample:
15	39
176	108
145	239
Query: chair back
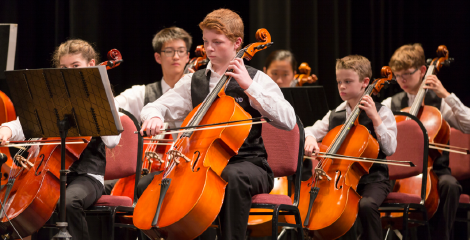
121	160
285	152
283	149
410	147
459	164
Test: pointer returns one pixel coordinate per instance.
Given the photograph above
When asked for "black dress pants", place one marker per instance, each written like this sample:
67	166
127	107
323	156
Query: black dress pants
82	191
368	225
108	186
245	179
443	220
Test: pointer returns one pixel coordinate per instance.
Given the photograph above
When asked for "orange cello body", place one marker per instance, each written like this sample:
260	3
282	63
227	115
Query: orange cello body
35	192
337	204
125	186
7	114
196	192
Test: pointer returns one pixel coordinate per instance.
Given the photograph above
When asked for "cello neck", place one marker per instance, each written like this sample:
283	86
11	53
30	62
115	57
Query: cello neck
210	98
343	133
421	93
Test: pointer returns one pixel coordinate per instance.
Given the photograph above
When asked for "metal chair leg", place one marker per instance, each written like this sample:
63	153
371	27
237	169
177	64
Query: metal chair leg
275	222
405	222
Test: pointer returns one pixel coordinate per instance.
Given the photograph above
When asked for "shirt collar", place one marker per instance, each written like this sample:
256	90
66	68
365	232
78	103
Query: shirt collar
410	96
344	106
165	86
209	68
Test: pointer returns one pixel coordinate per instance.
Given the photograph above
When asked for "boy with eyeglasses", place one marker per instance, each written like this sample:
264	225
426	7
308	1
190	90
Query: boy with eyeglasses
171	46
407	64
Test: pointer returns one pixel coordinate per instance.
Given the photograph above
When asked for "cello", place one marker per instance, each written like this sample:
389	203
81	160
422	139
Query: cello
329	202
438	131
33	189
153	161
190	191
7	114
304	76
197	62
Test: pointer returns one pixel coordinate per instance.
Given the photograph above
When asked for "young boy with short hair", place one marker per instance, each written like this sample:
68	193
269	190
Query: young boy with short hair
247	173
408	66
171	46
353	75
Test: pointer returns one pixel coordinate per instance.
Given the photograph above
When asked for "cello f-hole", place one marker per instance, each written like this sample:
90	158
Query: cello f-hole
39	165
195	161
337	177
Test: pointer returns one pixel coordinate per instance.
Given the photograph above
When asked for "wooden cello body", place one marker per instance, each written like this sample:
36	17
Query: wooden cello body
438	131
337	203
33	196
190	191
196	183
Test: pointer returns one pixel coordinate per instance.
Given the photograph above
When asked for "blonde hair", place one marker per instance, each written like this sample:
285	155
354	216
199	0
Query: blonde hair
224	21
407	56
357	63
170	34
75	46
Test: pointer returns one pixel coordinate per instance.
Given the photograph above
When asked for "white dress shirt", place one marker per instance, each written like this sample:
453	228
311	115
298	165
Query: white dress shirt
18	135
264	94
386	132
132	100
452	110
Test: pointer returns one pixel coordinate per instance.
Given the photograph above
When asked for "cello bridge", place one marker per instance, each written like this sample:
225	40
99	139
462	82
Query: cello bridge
175	154
153	155
23	162
320	173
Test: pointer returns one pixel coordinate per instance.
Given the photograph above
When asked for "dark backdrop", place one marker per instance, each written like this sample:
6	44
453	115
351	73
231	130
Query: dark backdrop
318	32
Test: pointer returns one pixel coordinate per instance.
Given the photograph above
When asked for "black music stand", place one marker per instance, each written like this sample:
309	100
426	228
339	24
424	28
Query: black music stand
309	103
60	102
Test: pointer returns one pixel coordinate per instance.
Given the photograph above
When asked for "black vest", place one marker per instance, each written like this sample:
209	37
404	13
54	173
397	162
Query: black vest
400	101
92	160
152	92
253	148
441	161
378	172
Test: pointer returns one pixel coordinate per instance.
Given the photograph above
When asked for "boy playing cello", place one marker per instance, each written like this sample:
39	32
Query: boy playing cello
247	173
353	75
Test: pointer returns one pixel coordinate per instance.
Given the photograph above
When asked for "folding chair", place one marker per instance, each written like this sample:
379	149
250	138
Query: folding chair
285	156
413	143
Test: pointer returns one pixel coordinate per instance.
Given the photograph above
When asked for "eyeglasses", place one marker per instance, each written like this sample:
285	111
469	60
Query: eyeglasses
171	52
405	75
